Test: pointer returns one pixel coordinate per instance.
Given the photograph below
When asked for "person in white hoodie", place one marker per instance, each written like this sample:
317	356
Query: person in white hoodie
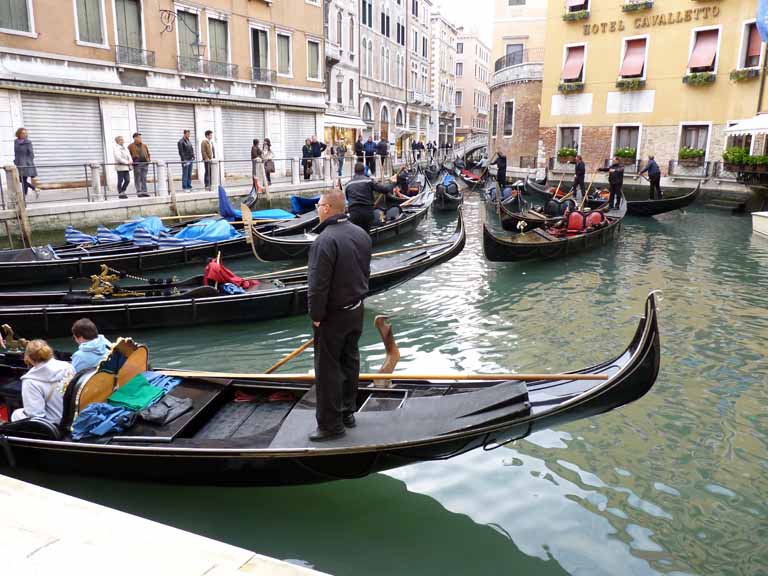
92	346
123	163
43	386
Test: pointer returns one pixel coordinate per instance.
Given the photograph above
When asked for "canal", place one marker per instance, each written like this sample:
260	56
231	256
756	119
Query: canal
673	484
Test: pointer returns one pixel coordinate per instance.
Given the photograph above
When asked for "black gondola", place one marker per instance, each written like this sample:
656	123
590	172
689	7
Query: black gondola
542	243
191	302
448	196
271	248
654	207
223	442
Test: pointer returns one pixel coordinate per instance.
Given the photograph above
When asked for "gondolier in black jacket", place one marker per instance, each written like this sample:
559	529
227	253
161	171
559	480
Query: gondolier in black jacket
654	177
501	170
360	192
578	180
339	269
615	182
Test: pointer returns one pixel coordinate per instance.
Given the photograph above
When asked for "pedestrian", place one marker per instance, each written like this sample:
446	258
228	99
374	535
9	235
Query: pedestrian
123	163
430	150
317	152
208	152
580	173
382	149
24	159
370	155
256	152
414	147
269	160
501	170
360	149
654	177
615	182
341	152
187	155
306	158
419	150
360	191
339	270
140	157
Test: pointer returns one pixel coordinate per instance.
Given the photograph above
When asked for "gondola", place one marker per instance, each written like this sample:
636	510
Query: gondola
269	248
448	197
655	207
264	441
544	243
192	302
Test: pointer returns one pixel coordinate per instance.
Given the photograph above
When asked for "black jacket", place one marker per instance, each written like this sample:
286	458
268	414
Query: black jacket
186	150
306	151
317	149
501	164
360	192
617	176
581	170
382	148
652	168
359	150
339	267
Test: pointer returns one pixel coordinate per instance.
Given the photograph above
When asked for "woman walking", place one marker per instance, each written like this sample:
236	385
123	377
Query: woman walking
306	158
269	160
256	152
24	159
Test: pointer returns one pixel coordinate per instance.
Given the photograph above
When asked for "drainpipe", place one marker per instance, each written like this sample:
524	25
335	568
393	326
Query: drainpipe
762	80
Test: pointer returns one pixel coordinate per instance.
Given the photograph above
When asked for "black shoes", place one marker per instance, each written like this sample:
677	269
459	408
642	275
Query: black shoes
143	195
349	421
321	435
122	196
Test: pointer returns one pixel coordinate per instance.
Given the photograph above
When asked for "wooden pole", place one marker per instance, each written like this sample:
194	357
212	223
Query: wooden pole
290	356
390	376
12	178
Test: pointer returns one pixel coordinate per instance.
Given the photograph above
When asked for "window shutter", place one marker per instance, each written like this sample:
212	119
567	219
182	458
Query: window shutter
217	30
89	21
187	28
14	15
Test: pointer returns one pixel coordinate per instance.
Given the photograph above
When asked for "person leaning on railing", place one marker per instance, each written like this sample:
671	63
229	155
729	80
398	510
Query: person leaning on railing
123	164
141	158
24	159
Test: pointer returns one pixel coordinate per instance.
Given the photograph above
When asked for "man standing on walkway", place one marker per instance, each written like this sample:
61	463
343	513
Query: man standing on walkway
339	270
360	149
370	155
141	158
382	149
578	181
654	177
123	162
208	152
187	156
360	191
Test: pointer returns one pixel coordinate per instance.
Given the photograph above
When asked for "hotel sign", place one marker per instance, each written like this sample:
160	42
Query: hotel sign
679	17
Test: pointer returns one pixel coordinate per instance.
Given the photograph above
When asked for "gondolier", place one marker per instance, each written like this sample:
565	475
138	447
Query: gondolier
654	177
335	299
578	181
615	182
501	170
360	197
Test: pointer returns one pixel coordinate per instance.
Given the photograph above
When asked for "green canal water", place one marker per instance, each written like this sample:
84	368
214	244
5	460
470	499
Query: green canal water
673	484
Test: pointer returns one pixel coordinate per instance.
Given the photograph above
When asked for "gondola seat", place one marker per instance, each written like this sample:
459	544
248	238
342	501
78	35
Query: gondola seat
595	219
577	222
37	428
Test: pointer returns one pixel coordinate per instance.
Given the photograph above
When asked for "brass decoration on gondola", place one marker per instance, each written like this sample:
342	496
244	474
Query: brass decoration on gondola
104	285
11	342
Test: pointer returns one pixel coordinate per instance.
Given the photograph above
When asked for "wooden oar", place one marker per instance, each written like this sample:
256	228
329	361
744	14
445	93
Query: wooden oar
290	356
386	376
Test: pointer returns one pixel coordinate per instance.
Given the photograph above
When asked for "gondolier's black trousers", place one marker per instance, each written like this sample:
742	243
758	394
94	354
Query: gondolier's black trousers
655	180
502	180
363	217
578	184
337	367
615	199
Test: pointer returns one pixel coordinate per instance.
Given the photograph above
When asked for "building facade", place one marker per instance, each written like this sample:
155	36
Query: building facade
472	96
516	80
418	77
635	80
113	67
382	68
342	64
443	80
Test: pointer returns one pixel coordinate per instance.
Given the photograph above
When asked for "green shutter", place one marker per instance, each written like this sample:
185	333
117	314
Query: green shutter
128	15
14	15
89	21
263	62
217	33
187	28
314	59
284	54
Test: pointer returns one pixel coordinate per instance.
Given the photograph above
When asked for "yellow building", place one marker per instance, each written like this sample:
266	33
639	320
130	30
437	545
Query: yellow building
649	77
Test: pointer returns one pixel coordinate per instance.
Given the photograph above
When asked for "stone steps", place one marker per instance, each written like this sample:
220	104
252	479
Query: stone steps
726	204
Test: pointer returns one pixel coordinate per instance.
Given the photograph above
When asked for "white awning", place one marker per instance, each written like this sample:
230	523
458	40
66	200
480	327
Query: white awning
756	125
343	121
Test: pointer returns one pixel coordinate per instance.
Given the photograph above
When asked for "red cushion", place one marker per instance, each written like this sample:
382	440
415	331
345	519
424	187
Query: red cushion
595	219
576	222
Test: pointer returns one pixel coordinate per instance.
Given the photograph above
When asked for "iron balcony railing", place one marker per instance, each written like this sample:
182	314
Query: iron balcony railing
630	166
515	58
194	65
130	56
263	75
690	167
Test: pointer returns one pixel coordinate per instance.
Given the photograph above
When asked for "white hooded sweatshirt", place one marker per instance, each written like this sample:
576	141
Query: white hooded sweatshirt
42	391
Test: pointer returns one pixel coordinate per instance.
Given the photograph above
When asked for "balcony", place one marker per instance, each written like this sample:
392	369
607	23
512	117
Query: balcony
416	97
518	66
447	108
193	65
333	53
129	56
263	75
681	168
340	108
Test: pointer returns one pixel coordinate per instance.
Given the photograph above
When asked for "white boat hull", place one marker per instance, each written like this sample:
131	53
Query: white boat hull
760	223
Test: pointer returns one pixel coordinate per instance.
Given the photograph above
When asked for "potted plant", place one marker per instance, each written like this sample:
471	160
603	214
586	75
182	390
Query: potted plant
757	163
577	15
626	156
636	6
744	74
699	78
566	154
569	87
690	157
630	83
734	159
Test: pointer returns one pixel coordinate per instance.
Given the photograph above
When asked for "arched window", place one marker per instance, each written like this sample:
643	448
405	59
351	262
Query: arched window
367	113
381	65
384	124
370	58
385	115
387	68
351	92
399	118
364	63
339	32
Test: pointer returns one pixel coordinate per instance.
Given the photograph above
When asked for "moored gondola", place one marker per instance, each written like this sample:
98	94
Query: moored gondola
195	301
264	439
448	197
544	243
655	207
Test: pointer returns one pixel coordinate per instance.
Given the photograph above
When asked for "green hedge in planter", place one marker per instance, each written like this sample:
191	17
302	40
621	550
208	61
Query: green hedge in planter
736	156
699	78
566	153
566	87
630	83
690	153
579	15
637	6
744	74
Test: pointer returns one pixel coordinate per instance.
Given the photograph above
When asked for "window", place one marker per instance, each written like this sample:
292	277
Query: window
352	35
367	113
339	29
415	7
284	59
381	64
751	45
738	141
694	136
460	48
367	13
573	69
704	51
370	58
576	5
458	121
383	24
399	118
459	68
415	45
424	47
218	40
509	118
128	21
459	97
626	137
633	63
188	31
495	119
313	60
15	15
569	137
89	22
339	90
516	3
260	48
351	92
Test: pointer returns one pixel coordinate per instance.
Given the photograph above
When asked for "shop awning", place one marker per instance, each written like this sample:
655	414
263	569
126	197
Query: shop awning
574	62
703	54
634	59
343	121
753	126
753	48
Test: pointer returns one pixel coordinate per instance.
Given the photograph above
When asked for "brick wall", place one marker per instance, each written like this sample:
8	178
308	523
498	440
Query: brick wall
524	140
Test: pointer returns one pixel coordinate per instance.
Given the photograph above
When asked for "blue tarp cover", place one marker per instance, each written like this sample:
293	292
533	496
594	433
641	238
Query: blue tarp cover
447	179
208	230
301	205
151	224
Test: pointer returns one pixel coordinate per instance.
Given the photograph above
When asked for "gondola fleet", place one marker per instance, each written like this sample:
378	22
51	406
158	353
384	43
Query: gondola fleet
109	279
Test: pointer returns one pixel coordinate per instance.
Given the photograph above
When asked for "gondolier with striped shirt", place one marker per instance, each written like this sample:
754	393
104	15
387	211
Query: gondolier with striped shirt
339	269
360	192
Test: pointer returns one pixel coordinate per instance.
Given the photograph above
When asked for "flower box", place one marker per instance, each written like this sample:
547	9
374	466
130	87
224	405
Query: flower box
637	6
699	78
627	161
578	15
630	83
729	167
690	162
568	87
744	74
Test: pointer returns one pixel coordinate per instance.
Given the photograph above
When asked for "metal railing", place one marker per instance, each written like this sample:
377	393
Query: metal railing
128	55
515	58
719	171
194	65
690	169
527	162
263	75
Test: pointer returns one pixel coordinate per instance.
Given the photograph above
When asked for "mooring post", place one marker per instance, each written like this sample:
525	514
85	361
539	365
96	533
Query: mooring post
16	198
163	171
172	192
95	194
295	171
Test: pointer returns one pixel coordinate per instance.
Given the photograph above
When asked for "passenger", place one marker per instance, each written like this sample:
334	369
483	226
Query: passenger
92	346
43	386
